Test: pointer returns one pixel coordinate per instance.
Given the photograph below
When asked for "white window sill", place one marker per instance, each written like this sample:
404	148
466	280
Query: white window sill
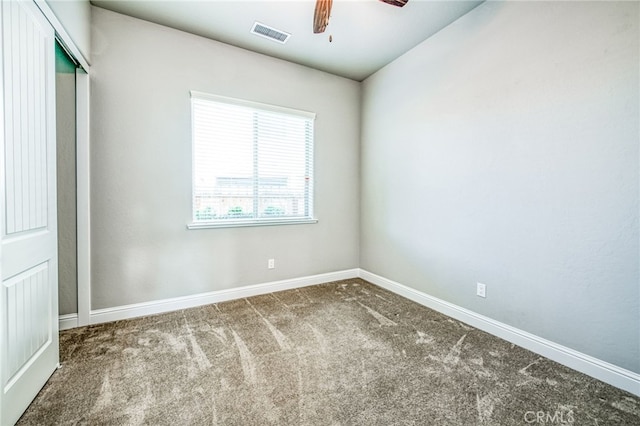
245	223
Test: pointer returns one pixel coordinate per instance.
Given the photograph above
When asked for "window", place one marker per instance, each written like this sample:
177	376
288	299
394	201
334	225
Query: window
252	163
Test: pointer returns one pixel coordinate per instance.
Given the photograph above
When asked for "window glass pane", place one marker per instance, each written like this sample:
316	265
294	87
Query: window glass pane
281	166
250	163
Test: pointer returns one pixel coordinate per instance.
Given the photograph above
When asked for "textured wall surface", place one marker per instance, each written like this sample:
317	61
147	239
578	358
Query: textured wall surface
141	166
504	150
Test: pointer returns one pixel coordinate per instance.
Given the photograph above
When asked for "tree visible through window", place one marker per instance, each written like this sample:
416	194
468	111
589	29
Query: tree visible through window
252	163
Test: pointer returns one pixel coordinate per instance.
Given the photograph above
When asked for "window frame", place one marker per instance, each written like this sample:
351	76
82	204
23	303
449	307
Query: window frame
254	221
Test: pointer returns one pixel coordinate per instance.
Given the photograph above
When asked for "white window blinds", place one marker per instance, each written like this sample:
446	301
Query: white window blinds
252	163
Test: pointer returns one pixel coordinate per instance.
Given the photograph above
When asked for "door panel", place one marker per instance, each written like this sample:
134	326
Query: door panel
28	249
28	316
25	143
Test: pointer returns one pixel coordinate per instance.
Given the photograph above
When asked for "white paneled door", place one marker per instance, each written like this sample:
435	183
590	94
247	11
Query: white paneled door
28	250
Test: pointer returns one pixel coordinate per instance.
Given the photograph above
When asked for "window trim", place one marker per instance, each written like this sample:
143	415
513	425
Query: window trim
252	221
249	223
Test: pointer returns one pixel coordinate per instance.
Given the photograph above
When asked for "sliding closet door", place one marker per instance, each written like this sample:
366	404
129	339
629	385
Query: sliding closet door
28	249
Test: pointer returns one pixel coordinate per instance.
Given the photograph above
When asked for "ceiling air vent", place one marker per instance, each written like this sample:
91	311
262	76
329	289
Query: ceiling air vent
271	33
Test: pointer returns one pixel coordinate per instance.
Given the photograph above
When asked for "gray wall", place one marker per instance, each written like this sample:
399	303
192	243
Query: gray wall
504	150
141	166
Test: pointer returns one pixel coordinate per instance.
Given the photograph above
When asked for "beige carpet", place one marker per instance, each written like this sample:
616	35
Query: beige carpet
342	353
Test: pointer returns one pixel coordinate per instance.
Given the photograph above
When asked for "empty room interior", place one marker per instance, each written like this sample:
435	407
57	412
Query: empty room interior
320	212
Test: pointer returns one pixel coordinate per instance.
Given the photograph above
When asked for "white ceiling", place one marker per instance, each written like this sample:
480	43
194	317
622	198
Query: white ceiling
367	34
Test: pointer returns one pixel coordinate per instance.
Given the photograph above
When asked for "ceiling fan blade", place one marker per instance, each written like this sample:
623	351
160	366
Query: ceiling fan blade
321	15
398	3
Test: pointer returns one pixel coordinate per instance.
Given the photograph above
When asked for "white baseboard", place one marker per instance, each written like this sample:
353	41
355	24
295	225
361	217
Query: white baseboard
601	370
67	321
167	305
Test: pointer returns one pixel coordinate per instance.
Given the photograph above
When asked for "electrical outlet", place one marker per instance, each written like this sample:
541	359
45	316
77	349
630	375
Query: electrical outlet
481	290
271	264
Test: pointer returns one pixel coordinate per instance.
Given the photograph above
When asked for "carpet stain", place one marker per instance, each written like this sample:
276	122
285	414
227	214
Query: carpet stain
277	334
136	412
106	395
302	412
423	338
477	361
524	369
384	321
453	357
628	405
485	406
246	360
175	343
323	343
219	332
214	410
197	354
380	297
